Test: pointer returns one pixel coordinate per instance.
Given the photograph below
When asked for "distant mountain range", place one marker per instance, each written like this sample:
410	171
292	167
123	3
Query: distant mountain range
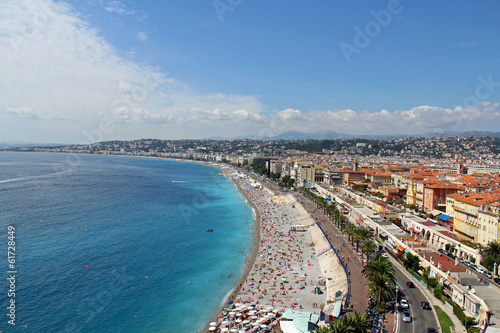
331	135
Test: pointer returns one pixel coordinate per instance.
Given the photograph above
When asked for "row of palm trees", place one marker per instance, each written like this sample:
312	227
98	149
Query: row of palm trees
363	238
329	209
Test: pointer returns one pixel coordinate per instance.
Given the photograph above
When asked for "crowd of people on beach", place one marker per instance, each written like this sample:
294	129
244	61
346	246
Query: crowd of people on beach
285	274
284	265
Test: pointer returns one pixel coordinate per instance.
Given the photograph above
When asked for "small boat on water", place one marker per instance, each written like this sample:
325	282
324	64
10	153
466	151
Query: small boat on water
209	229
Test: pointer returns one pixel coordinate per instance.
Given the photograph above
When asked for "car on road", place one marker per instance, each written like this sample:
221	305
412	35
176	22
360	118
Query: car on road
480	270
431	330
410	284
425	305
488	274
404	303
406	317
497	280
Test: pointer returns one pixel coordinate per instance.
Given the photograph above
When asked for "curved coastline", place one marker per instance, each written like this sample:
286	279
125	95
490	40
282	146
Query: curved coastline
253	256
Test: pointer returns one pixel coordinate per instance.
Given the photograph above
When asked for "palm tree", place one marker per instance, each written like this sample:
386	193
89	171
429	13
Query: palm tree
491	255
380	288
361	234
367	246
347	324
357	323
380	265
323	329
351	231
365	233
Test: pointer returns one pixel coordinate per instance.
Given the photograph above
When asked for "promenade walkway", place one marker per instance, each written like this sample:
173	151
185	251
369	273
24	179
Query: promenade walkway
352	258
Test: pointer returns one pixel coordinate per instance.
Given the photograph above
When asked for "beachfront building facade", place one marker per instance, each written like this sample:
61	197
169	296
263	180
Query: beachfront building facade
466	212
488	223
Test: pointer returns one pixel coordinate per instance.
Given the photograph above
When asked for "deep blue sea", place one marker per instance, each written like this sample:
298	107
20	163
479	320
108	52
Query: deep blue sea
118	244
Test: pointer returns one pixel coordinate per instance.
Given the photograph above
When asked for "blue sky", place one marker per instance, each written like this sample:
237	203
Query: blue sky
91	70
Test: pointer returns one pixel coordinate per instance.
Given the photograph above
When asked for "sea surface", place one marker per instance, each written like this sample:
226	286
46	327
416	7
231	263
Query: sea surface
117	243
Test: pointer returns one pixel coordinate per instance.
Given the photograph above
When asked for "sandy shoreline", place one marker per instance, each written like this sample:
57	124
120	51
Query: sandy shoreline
289	268
251	257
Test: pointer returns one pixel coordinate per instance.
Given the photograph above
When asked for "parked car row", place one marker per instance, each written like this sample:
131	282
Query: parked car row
481	270
449	254
478	269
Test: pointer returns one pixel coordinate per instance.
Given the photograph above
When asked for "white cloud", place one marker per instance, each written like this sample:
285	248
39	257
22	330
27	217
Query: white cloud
420	119
55	66
289	114
119	8
142	36
22	112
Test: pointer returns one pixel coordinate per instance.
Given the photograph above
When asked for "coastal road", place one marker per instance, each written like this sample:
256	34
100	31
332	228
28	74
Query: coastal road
421	319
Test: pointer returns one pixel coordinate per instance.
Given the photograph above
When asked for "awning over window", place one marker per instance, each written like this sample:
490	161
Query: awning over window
423	264
444	217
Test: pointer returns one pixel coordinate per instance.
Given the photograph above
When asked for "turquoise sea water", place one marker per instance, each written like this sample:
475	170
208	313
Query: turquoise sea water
118	244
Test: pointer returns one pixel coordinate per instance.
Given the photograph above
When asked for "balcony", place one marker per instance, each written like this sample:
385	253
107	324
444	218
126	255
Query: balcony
465	211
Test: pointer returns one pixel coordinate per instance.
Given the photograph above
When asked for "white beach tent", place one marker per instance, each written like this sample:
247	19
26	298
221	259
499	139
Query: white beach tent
287	326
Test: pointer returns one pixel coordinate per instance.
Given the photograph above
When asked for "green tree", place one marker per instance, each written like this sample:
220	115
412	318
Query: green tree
411	262
367	246
360	234
380	288
356	323
380	265
491	255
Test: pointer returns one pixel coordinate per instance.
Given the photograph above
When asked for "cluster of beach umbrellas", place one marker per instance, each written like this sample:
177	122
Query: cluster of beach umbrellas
243	318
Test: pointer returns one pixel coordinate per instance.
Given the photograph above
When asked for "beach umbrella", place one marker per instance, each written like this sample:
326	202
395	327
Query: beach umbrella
263	326
224	329
213	323
234	330
211	329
